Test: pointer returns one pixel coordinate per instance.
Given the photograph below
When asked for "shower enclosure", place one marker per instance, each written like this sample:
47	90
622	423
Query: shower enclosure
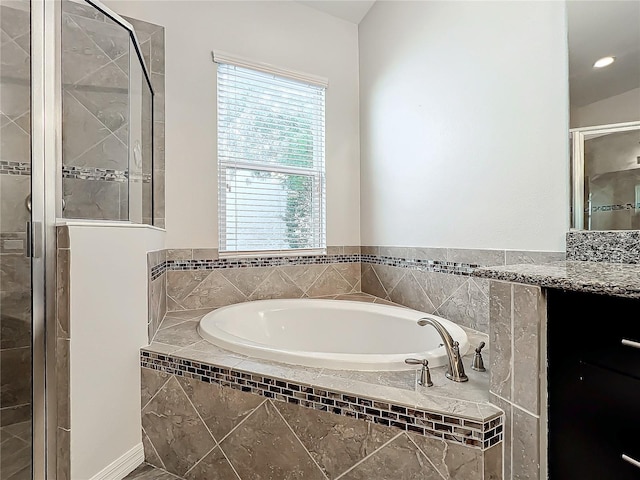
606	177
76	142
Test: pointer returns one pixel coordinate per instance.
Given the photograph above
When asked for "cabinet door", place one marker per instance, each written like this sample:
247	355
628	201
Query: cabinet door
600	428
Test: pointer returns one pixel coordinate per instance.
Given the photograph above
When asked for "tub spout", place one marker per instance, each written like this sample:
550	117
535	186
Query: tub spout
455	370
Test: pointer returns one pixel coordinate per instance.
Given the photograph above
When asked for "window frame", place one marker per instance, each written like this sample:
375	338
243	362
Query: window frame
317	172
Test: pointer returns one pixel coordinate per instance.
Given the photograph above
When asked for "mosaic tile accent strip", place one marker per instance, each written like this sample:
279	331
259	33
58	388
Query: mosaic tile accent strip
158	270
104	174
439	266
433	424
453	268
14	168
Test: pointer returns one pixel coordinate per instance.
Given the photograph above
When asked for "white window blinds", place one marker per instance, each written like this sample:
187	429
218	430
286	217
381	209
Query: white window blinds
270	162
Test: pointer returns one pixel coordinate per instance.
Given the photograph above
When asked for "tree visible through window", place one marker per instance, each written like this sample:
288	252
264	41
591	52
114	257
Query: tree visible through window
271	162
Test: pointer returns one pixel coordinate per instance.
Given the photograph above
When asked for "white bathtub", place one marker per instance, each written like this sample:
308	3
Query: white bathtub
340	335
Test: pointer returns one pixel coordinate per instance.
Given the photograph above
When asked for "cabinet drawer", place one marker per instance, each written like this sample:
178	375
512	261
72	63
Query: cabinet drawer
615	348
596	437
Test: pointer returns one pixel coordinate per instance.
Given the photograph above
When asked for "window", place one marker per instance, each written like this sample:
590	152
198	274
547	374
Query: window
270	161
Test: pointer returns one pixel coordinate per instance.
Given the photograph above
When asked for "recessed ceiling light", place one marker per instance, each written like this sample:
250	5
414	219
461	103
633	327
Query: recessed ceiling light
604	62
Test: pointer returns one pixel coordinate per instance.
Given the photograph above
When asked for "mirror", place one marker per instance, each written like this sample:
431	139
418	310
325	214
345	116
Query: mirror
604	92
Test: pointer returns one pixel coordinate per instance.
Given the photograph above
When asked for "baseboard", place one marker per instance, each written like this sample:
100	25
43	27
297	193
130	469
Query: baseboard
122	466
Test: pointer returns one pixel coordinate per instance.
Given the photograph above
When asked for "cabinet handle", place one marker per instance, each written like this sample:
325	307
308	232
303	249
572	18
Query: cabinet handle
630	343
630	460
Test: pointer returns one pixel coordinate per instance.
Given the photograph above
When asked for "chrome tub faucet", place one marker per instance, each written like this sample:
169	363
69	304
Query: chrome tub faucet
455	371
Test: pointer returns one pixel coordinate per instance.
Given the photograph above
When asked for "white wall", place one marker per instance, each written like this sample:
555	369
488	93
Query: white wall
285	34
464	117
108	327
617	109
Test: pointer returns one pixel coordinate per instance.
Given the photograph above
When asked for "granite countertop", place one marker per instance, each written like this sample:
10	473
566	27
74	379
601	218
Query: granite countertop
616	279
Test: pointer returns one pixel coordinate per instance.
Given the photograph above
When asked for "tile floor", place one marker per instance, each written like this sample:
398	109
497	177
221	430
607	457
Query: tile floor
15	451
147	472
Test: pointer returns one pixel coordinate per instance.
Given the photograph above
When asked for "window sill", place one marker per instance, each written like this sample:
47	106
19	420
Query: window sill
274	253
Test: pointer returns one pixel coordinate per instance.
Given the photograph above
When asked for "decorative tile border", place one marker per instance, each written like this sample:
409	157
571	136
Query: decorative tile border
14	168
87	173
158	270
480	435
79	173
453	268
439	266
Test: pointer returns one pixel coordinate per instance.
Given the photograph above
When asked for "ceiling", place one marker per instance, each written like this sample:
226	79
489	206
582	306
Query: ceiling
598	29
350	10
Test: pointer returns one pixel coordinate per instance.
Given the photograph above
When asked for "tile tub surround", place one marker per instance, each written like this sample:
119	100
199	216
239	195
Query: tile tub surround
157	290
518	374
426	279
617	279
200	430
178	348
200	279
622	246
320	423
63	346
438	280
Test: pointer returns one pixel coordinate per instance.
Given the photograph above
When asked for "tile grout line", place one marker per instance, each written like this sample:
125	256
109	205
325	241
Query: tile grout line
422	289
511	366
384	289
427	457
215	442
368	456
203	457
154	449
241	422
299	441
312	283
229	462
155	394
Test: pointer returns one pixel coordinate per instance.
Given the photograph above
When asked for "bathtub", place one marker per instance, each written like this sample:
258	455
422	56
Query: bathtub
333	334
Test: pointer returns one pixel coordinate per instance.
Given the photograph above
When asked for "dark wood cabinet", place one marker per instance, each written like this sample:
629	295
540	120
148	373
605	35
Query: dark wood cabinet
594	387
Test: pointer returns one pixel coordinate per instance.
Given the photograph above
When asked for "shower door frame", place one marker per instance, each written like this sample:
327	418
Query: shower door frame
46	161
577	165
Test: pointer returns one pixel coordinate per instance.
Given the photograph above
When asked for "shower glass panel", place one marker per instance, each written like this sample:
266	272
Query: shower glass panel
104	117
610	158
15	266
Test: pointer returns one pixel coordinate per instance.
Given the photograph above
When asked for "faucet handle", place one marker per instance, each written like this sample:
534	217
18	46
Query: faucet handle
415	361
478	363
425	374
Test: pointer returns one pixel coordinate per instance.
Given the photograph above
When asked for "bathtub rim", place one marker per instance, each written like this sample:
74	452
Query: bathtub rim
336	361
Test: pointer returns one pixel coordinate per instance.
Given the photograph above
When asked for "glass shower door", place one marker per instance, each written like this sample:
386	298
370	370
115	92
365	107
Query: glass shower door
15	265
606	170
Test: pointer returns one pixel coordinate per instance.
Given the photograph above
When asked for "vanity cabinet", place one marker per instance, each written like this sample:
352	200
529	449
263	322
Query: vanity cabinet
594	386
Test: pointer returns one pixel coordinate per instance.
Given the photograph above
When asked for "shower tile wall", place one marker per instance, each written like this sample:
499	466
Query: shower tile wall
15	186
95	87
95	66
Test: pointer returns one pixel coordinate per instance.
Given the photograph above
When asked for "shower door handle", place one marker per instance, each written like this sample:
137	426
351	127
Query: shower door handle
28	250
32	248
